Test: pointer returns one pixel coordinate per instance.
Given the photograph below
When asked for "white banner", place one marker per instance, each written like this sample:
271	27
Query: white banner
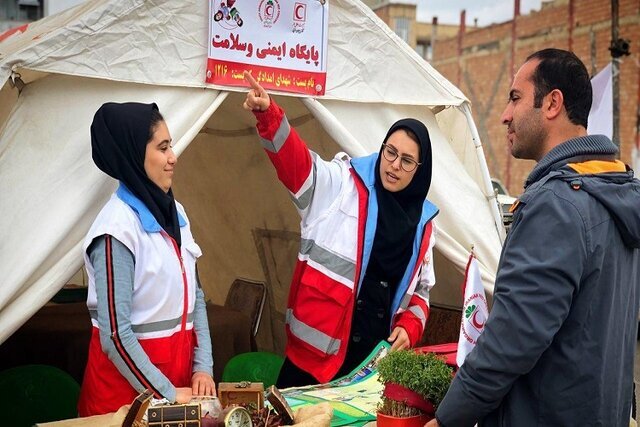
283	43
601	114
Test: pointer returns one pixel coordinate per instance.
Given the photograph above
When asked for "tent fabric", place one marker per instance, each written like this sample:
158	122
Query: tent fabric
165	43
107	50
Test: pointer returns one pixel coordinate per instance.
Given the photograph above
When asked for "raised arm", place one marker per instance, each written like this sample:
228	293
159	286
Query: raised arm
314	184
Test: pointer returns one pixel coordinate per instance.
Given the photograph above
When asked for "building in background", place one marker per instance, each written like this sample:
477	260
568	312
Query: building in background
482	61
14	13
401	18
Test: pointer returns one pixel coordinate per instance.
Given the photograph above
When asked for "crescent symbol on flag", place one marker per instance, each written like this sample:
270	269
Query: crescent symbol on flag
475	322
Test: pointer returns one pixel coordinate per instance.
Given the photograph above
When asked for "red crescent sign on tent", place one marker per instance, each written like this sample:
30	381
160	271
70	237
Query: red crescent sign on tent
282	43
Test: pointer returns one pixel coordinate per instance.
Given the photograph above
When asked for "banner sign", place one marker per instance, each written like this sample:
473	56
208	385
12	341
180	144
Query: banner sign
283	43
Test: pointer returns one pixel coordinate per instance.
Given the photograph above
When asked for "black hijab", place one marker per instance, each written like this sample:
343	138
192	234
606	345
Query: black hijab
399	212
119	137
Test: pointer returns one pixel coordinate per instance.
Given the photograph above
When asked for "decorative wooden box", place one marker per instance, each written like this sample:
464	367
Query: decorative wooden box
242	393
174	415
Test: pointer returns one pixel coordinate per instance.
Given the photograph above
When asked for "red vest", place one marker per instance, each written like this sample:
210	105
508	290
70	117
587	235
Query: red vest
105	390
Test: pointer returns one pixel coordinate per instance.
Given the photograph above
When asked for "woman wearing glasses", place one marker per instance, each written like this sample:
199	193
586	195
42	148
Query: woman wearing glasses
365	265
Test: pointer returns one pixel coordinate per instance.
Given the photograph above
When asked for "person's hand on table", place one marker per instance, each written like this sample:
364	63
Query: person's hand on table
183	394
399	339
202	384
257	98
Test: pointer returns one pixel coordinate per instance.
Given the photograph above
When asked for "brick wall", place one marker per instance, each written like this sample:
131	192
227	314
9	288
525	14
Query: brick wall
483	70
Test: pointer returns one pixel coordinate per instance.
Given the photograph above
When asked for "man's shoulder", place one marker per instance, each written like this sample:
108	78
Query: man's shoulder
563	198
550	199
555	186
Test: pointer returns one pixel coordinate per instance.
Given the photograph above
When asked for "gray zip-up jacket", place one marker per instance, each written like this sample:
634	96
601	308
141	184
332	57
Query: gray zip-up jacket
558	347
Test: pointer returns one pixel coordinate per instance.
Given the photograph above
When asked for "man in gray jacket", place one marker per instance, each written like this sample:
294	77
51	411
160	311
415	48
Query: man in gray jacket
558	347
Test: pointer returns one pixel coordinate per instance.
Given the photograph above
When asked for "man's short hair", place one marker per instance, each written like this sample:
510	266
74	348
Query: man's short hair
563	70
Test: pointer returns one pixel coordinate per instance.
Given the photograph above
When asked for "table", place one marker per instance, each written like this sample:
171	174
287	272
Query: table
59	334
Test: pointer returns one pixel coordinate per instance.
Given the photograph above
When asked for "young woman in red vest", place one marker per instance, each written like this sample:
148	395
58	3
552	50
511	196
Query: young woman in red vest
150	328
365	265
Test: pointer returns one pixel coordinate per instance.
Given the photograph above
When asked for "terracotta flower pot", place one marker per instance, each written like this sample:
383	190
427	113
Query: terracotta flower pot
383	420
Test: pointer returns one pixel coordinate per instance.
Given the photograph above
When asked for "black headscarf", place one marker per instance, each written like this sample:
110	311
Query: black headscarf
399	212
119	137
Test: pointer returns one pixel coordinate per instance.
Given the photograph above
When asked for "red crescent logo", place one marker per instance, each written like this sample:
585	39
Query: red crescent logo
475	322
299	12
268	10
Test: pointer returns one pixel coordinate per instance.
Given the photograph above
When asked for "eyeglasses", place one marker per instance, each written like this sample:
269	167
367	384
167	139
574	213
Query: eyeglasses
406	163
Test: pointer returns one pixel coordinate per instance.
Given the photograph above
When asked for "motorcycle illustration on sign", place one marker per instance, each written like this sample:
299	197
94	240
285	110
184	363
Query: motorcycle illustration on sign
228	12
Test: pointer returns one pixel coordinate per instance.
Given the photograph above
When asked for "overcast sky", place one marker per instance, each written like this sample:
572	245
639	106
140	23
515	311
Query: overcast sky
487	11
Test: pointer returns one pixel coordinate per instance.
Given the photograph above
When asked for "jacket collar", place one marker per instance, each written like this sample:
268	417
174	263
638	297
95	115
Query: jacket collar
365	168
590	146
148	221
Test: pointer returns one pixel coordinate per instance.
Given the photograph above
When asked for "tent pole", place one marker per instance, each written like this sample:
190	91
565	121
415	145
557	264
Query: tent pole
197	126
333	127
486	186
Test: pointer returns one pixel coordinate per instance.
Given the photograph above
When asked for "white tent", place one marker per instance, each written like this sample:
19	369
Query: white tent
56	74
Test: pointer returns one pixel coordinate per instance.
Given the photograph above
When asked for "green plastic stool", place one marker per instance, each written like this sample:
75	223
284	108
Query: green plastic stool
256	366
33	394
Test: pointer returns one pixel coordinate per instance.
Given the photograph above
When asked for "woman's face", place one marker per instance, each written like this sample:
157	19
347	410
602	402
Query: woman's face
159	159
394	178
